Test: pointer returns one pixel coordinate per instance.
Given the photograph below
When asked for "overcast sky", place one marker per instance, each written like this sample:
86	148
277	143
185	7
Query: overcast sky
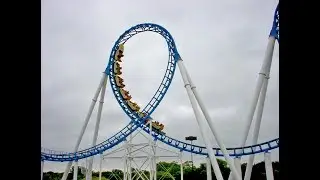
222	44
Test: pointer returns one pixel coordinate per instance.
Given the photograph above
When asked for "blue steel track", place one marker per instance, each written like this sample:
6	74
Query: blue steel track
137	122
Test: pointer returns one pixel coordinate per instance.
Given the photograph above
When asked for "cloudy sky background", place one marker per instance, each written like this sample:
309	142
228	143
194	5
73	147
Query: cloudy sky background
222	44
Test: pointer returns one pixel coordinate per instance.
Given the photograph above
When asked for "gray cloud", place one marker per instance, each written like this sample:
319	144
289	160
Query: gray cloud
222	44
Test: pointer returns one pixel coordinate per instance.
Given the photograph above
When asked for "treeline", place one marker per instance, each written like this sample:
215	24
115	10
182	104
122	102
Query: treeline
189	172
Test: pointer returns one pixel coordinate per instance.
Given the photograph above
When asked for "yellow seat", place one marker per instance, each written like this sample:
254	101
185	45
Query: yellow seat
133	106
117	69
119	53
119	82
125	94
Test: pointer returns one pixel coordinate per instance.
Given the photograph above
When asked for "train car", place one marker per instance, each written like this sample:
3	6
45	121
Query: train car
119	53
156	126
117	68
159	125
133	106
125	94
141	115
119	82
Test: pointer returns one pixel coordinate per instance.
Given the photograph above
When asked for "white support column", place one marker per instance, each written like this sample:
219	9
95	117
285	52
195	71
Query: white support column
129	166
265	69
154	159
192	89
42	164
256	129
237	163
268	164
139	174
75	170
167	172
200	123
181	165
94	100
100	166
126	160
130	158
86	168
151	156
208	166
125	167
96	130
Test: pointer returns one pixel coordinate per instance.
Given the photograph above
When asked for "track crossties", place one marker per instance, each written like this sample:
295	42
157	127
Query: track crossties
140	118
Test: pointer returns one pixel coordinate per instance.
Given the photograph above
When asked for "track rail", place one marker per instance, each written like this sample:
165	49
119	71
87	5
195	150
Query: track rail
137	122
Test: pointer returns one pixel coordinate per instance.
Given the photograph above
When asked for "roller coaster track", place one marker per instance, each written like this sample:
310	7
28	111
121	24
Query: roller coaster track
137	122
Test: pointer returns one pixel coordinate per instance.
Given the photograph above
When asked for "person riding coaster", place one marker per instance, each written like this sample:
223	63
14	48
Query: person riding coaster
156	126
117	68
133	106
119	82
119	53
125	94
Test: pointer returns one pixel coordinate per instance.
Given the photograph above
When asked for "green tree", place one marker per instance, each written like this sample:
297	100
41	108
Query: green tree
198	173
